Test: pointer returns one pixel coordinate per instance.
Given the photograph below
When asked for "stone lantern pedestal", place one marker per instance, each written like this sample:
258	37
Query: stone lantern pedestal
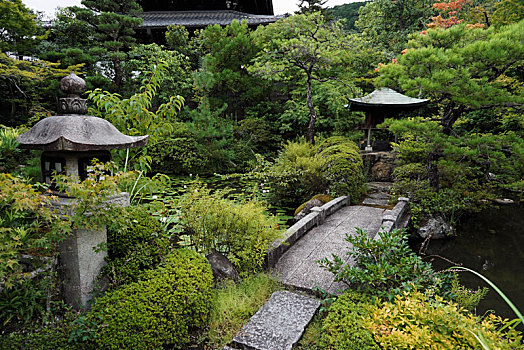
80	261
70	142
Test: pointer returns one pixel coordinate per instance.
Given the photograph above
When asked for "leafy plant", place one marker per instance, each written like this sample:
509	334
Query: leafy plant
242	232
385	267
134	116
342	328
413	320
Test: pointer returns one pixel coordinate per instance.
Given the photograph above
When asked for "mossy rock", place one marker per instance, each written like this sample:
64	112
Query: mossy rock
324	198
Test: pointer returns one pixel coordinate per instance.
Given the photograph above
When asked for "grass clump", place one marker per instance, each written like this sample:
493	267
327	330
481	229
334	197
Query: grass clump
233	305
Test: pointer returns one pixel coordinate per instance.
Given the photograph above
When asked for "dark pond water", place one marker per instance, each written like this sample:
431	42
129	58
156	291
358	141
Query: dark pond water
491	243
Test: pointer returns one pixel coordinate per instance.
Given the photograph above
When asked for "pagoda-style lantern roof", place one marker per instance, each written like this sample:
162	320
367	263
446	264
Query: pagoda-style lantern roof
73	130
382	103
385	98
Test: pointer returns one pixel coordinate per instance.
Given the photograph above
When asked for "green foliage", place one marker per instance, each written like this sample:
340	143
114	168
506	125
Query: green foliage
67	331
387	23
134	116
467	298
176	78
27	224
461	70
242	232
233	305
19	27
301	171
342	328
413	321
139	243
304	49
430	163
348	12
160	310
386	267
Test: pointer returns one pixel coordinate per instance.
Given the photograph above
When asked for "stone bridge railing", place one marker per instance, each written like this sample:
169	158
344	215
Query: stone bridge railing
315	218
397	217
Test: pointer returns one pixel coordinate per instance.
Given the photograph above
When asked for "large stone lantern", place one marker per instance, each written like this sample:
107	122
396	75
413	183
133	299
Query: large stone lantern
70	141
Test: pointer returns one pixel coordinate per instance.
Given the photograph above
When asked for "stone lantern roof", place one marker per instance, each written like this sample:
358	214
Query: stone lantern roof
72	130
385	98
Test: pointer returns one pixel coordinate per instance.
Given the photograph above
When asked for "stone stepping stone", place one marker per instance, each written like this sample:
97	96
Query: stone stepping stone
278	324
378	202
379	195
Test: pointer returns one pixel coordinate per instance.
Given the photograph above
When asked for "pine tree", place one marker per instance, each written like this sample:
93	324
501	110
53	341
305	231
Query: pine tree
114	21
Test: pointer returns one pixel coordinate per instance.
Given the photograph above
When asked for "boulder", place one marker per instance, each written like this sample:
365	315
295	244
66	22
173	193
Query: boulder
307	208
437	227
222	268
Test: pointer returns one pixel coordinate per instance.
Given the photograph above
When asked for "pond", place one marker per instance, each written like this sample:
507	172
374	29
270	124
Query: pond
491	243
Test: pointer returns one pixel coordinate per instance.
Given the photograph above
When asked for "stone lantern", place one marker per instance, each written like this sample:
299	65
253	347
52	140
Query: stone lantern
70	141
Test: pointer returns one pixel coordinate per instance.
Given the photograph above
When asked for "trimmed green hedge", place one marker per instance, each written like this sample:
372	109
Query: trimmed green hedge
160	310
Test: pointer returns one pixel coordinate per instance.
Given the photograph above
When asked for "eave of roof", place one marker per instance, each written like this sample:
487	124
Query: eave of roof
162	19
385	97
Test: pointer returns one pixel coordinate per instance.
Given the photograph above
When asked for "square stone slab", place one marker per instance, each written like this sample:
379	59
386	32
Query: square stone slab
278	324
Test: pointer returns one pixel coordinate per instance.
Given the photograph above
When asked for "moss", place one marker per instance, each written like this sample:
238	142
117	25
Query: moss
324	198
160	310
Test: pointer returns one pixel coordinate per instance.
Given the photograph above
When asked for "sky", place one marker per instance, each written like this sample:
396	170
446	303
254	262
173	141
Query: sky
279	6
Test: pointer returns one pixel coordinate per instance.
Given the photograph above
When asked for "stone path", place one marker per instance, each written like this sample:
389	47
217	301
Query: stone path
278	324
298	267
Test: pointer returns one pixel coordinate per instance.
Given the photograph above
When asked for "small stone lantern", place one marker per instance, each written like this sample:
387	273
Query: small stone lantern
70	141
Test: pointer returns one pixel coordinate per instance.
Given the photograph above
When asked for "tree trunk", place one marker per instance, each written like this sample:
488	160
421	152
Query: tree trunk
313	115
433	173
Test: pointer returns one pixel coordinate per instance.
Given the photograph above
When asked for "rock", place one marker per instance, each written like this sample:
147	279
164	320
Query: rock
437	227
222	268
380	165
278	324
307	208
504	201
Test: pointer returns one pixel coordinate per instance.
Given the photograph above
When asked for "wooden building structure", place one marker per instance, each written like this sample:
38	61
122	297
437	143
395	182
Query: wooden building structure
197	14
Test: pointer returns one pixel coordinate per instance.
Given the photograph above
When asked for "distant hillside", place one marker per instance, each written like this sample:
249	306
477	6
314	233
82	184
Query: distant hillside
349	12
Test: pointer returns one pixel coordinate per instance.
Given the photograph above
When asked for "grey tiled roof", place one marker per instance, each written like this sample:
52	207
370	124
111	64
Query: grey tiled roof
161	19
387	97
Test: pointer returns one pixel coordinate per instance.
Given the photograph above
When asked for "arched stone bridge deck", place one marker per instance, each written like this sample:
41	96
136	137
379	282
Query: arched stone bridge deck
322	233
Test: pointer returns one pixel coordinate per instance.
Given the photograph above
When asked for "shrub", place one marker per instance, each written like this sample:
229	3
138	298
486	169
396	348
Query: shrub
342	328
343	167
414	321
302	170
386	267
242	232
136	245
137	227
160	310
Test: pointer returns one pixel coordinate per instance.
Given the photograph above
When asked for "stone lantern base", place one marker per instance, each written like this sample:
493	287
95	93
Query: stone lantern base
80	261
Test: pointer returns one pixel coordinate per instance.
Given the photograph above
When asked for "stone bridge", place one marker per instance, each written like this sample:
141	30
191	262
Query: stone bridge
294	258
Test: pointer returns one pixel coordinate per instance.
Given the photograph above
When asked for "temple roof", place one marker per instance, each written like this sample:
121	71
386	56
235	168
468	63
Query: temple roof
385	97
162	19
77	133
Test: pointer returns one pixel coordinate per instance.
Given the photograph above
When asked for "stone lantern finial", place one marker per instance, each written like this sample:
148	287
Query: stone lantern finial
74	86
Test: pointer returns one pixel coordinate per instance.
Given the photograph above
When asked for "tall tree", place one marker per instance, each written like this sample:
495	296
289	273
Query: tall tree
307	48
18	28
311	6
114	22
387	23
462	70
